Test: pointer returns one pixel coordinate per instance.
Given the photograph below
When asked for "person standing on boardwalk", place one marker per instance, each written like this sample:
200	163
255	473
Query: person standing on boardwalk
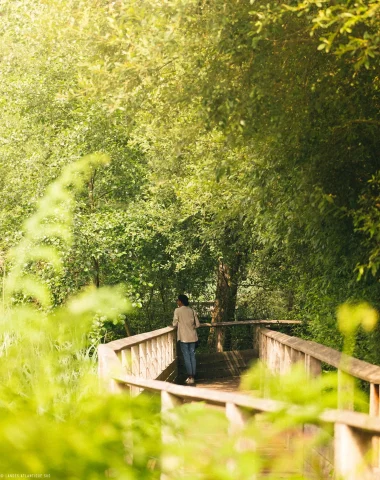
187	321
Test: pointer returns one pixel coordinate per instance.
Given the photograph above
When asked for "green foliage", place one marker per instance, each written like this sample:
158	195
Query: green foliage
233	134
89	443
53	419
312	395
367	220
45	231
241	133
268	143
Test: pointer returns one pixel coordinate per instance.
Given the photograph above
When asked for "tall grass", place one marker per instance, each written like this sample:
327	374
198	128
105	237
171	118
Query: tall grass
54	419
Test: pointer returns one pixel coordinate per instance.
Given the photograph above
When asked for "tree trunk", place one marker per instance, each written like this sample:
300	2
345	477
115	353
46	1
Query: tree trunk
127	327
225	300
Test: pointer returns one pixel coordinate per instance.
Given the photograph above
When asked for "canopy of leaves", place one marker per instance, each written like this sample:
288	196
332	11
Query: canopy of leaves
235	129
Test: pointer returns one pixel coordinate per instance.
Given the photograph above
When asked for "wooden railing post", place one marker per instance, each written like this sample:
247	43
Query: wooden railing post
168	404
126	360
313	367
374	404
142	360
126	363
148	360
237	419
169	401
135	366
160	353
278	357
109	366
165	349
155	361
287	359
374	410
173	342
256	340
263	347
169	352
352	449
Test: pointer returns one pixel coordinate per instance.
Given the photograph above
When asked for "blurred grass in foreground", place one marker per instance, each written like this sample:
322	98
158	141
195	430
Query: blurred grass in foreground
53	419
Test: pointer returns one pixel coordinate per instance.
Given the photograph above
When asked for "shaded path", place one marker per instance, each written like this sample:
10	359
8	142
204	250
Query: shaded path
230	384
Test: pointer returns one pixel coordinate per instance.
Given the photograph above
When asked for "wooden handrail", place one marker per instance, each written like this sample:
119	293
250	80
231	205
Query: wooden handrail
251	322
355	439
353	366
202	394
279	352
118	345
351	419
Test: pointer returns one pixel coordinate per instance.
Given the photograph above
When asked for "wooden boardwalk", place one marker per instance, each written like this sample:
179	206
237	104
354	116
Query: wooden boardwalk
351	450
229	384
280	446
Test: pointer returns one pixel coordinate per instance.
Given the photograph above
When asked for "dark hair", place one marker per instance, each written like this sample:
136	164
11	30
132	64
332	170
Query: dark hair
184	299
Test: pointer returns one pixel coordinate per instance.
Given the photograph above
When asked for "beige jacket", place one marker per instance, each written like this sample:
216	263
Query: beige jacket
187	321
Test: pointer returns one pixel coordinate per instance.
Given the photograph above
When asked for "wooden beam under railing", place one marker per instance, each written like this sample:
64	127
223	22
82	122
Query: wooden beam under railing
236	323
354	433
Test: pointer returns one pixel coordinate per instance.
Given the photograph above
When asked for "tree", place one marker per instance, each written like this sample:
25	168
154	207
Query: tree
307	120
252	145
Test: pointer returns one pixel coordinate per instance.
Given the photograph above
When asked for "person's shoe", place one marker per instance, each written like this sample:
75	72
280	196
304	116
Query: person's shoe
190	381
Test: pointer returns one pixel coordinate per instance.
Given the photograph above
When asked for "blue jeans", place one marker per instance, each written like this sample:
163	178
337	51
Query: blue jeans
188	352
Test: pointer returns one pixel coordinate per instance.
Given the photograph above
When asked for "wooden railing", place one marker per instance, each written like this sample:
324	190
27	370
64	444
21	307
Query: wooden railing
151	355
143	361
280	352
354	433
